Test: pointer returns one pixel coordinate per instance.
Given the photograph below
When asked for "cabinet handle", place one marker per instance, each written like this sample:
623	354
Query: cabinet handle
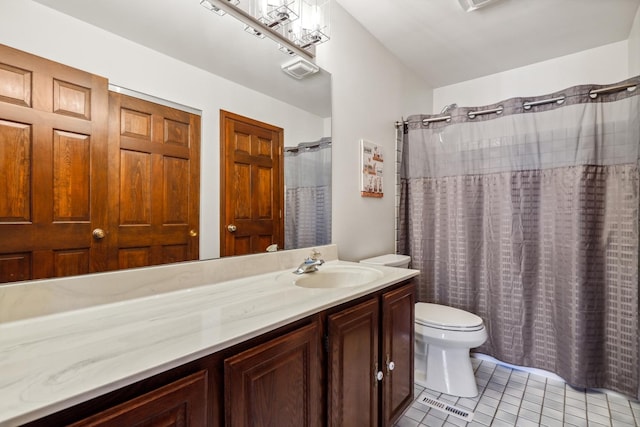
390	365
379	376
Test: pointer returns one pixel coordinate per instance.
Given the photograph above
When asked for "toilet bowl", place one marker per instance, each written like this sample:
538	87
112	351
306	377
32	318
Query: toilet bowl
443	337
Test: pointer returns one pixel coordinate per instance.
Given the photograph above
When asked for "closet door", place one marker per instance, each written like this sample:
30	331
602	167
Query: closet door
53	188
154	196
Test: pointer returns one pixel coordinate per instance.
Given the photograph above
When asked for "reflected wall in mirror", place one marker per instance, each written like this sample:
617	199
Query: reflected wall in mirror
181	52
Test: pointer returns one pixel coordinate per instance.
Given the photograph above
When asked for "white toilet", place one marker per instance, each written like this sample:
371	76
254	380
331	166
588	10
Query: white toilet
444	335
390	260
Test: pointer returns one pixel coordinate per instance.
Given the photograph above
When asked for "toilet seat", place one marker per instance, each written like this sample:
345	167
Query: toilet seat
446	318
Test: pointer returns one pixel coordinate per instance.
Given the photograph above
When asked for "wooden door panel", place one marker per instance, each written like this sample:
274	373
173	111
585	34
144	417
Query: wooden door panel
133	258
135	188
53	122
276	383
352	364
176	132
252	193
71	100
71	177
16	88
15	171
181	403
155	150
397	347
15	267
71	262
175	200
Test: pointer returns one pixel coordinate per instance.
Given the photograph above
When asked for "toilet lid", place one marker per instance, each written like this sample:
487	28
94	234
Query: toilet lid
445	317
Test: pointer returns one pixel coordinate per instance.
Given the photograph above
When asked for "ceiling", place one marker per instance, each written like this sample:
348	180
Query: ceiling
437	39
444	44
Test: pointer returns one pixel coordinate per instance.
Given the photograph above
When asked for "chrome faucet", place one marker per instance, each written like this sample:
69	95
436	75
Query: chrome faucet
310	264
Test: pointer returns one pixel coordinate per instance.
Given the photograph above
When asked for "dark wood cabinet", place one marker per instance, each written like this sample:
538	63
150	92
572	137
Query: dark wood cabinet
181	403
370	360
277	383
319	370
397	352
353	363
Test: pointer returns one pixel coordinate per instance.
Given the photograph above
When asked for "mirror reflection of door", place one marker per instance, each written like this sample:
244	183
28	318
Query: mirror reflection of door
154	181
53	138
90	181
252	185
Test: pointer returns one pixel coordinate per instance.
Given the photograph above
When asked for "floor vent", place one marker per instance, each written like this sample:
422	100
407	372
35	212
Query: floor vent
445	407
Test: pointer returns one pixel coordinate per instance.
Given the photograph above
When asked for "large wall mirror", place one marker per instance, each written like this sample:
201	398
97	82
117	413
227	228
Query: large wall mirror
249	82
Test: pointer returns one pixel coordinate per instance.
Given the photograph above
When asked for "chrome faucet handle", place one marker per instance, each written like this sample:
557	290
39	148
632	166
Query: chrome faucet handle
315	254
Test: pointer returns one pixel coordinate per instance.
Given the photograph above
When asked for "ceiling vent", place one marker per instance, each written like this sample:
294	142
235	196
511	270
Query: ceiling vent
300	68
471	5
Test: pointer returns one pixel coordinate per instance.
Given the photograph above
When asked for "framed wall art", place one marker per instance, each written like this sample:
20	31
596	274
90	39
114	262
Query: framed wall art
371	169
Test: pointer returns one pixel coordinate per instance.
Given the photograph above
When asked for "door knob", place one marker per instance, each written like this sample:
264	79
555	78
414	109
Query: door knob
98	234
231	228
193	233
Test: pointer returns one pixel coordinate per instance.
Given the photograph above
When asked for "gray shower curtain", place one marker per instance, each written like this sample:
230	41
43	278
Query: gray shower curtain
529	218
307	177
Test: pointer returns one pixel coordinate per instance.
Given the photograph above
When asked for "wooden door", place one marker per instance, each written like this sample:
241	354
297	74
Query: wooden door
154	158
181	403
276	384
397	352
252	185
53	186
352	366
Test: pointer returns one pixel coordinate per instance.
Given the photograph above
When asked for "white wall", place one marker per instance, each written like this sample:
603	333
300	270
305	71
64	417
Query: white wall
601	65
42	31
634	46
370	92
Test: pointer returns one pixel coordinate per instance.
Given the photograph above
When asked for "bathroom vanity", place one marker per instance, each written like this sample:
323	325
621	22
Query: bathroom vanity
232	342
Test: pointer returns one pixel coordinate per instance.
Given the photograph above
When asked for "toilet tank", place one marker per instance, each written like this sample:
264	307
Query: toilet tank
390	260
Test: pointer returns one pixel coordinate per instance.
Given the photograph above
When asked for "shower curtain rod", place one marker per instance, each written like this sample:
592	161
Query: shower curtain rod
307	146
527	105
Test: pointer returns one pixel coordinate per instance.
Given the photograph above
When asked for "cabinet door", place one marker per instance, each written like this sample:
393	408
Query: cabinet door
397	352
352	366
277	383
181	403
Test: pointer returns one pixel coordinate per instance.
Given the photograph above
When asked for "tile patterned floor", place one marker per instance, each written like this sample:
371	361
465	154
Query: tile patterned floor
510	397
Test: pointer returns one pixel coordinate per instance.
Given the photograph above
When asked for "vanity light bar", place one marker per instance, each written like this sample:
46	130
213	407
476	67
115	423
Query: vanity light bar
258	26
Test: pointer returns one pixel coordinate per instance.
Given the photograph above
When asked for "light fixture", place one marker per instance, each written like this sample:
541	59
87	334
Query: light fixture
207	4
296	25
471	5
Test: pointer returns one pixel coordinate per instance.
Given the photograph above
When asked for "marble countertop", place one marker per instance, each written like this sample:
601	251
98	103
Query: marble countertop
51	362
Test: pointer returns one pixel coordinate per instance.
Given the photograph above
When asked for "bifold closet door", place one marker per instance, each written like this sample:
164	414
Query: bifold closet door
53	190
154	191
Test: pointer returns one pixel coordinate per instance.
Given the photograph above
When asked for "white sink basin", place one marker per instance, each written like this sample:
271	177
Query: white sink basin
338	276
